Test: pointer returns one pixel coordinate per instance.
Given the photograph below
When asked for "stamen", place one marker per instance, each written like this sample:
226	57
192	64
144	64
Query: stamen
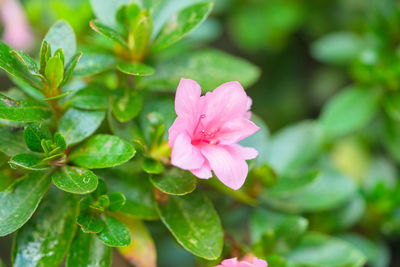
202	116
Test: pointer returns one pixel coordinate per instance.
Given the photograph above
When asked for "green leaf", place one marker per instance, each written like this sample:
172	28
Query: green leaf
76	125
70	67
28	161
139	36
33	135
127	105
61	35
106	11
75	180
294	146
330	190
376	253
337	48
29	62
92	64
19	201
22	111
210	68
194	223
54	72
15	67
138	191
115	233
117	200
12	141
349	111
90	223
88	250
129	131
45	53
152	166
182	24
320	250
59	141
91	98
284	230
135	68
108	32
45	239
174	182
102	151
142	250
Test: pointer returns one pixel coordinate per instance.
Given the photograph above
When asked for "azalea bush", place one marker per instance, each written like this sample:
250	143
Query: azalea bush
129	135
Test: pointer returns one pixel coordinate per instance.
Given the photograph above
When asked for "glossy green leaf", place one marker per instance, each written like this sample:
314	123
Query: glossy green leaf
337	48
140	31
54	72
28	161
294	146
75	180
142	250
33	135
59	141
11	64
329	190
137	69
115	233
88	250
174	182
210	68
92	64
70	67
138	191
77	124
117	200
29	62
91	98
127	105
22	111
61	35
320	250
152	166
45	239
102	151
19	201
12	141
90	223
349	111
194	223
108	32
182	24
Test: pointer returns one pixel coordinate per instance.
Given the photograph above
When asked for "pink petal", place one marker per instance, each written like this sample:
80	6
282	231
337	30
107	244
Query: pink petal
184	155
180	125
259	263
235	130
204	172
187	98
227	163
246	152
226	102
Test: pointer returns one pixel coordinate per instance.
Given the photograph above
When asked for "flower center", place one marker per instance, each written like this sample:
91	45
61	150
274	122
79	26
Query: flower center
205	135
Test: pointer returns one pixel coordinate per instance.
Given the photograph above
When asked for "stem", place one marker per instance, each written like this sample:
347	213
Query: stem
239	196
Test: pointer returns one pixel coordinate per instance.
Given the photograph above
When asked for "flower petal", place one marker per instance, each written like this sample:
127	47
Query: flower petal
204	172
226	102
180	125
227	163
184	155
235	130
187	98
246	152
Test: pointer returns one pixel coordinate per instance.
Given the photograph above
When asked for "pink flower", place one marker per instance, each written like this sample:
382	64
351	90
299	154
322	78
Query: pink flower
17	32
234	263
204	136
